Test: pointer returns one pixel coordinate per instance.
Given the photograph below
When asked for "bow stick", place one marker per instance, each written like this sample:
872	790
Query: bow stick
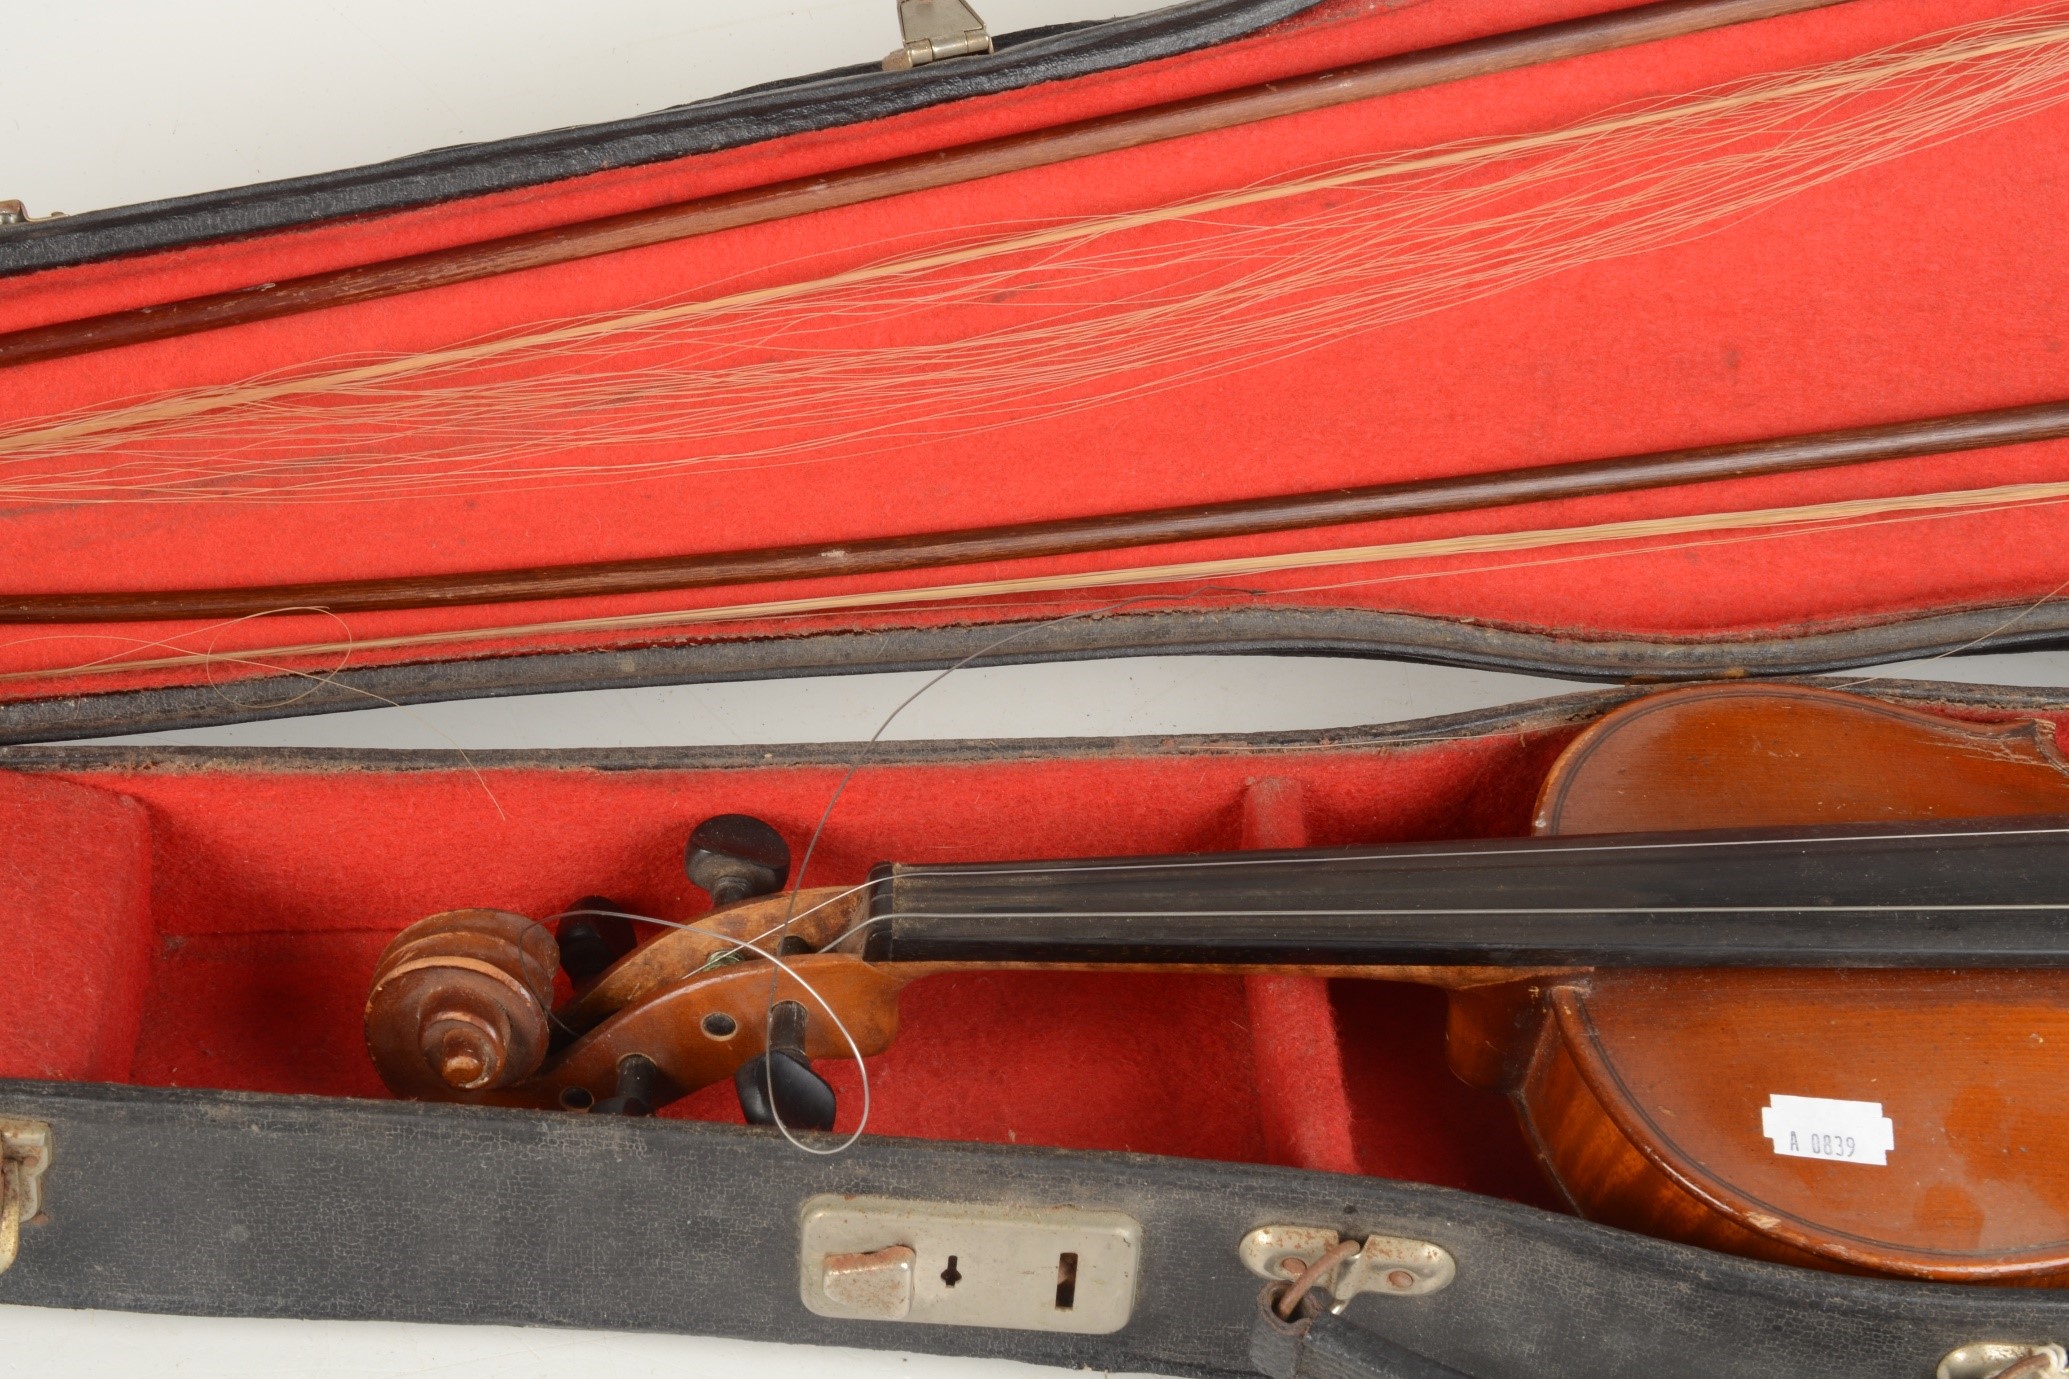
1077	535
895	177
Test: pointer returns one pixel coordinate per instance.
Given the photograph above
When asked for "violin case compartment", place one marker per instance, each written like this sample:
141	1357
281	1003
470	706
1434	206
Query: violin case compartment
189	931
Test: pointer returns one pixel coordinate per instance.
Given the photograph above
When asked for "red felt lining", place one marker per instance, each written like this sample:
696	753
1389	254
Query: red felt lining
232	939
1922	286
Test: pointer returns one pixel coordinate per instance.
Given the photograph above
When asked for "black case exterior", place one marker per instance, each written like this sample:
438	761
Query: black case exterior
1562	653
197	1202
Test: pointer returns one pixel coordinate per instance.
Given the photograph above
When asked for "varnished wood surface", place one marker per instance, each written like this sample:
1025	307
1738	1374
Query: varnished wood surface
895	177
1644	1090
670	1027
1751	756
1604	1176
1968	1067
1077	535
817	917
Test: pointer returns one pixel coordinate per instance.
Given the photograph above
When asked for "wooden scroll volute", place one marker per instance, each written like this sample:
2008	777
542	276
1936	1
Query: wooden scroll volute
1643	1091
459	1003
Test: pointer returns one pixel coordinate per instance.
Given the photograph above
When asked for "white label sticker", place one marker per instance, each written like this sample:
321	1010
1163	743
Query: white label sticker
1815	1127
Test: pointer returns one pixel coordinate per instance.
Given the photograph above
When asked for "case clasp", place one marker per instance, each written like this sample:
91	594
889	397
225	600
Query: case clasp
1390	1264
24	1154
1996	1359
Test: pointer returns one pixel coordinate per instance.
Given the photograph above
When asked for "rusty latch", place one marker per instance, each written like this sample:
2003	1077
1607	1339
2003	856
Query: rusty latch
1386	1264
24	1154
935	29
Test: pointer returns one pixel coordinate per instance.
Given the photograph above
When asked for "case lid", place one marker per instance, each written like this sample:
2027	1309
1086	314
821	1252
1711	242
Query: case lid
1837	217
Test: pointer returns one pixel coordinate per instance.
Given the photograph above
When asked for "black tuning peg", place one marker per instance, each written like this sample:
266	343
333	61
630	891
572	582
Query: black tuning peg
735	857
781	1081
638	1092
590	943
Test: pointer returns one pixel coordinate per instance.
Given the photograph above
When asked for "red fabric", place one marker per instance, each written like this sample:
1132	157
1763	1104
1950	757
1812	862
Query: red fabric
1301	1100
244	965
76	940
1921	286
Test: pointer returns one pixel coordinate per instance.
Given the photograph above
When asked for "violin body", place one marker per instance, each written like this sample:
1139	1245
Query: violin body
1642	1092
1659	1005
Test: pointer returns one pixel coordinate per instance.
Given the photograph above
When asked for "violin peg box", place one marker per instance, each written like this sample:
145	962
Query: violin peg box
1687	355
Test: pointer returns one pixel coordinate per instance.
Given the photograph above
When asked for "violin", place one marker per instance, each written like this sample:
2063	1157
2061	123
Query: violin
1782	972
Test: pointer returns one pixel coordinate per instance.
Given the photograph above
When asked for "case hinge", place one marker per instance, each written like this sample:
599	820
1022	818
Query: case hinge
935	29
15	213
24	1154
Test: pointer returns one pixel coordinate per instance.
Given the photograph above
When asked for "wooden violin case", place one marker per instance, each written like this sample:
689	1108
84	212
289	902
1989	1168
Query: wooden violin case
189	932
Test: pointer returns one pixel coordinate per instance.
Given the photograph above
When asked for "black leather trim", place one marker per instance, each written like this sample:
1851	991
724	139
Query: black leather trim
249	1205
1532	716
1251	631
849	96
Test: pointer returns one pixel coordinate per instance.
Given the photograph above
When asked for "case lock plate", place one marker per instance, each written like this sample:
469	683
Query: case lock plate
24	1154
969	1264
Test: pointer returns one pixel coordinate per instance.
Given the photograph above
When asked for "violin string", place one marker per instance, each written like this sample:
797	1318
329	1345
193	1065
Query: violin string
1853	681
1483	910
840	789
757	946
1264	302
747	948
1401	853
331	678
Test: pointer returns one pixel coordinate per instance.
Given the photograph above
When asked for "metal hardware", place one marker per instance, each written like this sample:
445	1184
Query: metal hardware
935	29
872	1285
1988	1359
1391	1264
24	1155
964	1264
15	213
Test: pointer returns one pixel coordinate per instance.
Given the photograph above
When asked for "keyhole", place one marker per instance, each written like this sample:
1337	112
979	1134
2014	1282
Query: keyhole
949	1275
1066	1281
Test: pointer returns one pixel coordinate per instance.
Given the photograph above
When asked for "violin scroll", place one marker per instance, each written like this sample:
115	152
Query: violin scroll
459	1003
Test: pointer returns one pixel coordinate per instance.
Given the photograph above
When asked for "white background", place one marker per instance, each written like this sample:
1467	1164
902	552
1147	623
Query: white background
107	102
110	102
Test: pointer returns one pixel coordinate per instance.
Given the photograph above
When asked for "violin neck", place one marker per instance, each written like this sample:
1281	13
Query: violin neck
1965	894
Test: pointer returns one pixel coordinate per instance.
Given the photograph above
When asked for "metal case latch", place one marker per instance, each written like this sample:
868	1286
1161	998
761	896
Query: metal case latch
1995	1359
1389	1264
935	29
24	1154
